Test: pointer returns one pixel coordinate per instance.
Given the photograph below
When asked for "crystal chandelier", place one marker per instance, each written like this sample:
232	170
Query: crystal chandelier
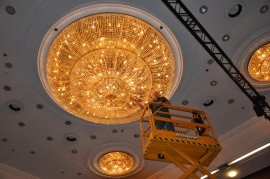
96	63
259	64
116	163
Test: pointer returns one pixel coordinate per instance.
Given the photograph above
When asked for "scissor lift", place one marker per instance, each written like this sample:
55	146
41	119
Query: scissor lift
191	147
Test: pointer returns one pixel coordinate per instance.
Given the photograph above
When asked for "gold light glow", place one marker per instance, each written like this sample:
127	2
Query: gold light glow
259	64
97	62
116	163
232	173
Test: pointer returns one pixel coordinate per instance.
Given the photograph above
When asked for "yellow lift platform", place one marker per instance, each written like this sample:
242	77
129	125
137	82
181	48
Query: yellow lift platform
191	147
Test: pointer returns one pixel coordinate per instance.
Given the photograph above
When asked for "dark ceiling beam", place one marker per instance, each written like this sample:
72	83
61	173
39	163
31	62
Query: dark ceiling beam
182	13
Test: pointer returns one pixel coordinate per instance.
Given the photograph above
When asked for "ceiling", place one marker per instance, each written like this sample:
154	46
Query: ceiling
34	139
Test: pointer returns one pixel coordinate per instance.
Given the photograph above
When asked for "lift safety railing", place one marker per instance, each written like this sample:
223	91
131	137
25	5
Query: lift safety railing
191	146
182	13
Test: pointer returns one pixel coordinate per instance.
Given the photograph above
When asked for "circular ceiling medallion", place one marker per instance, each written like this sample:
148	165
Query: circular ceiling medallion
252	59
98	61
115	162
259	64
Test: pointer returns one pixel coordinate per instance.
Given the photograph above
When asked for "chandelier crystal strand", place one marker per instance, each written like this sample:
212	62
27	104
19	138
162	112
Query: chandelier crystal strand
259	64
97	62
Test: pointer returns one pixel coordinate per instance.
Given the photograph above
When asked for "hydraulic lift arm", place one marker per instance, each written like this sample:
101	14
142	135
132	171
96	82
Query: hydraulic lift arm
182	13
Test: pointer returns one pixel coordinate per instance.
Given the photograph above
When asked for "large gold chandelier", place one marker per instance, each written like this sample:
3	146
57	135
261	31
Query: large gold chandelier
259	64
96	63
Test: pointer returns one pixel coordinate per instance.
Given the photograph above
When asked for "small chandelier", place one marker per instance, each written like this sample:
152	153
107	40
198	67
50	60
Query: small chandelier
96	63
116	163
259	64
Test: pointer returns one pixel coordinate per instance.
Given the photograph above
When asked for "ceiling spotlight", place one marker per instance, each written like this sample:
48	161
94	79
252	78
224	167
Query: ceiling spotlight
8	65
264	9
39	106
7	88
68	123
208	102
71	138
232	173
49	138
213	83
230	101
225	37
10	10
235	10
185	102
21	124
203	9
15	106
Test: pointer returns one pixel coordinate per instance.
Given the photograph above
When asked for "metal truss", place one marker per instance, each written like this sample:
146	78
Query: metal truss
182	13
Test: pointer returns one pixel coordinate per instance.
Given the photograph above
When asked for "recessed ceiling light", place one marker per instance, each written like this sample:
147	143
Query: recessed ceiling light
225	38
39	106
49	138
264	9
235	10
10	10
230	101
213	83
8	65
208	102
7	88
203	9
21	124
68	122
15	106
93	137
232	173
114	131
71	138
32	152
185	102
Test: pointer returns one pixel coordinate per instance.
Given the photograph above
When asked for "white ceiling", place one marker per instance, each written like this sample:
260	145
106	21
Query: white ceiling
33	141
